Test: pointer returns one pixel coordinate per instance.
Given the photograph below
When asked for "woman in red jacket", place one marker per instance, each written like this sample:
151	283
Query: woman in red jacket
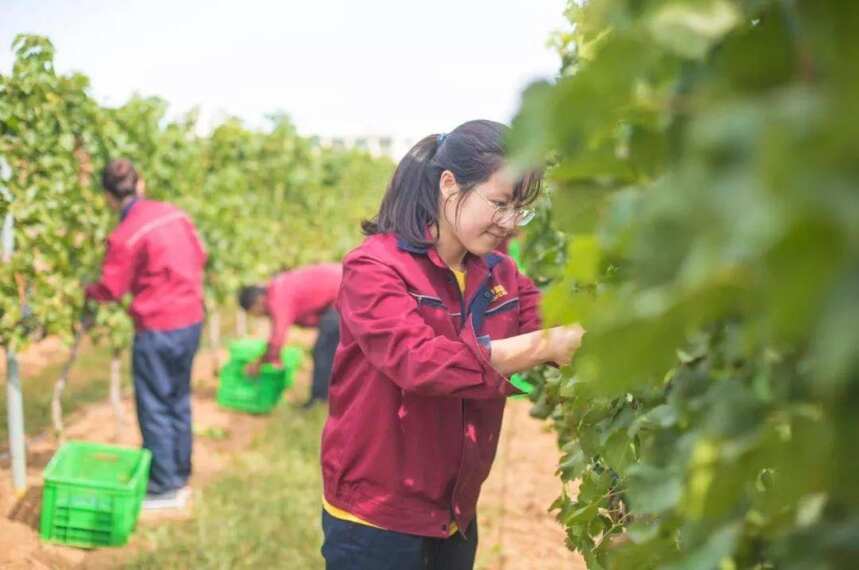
433	323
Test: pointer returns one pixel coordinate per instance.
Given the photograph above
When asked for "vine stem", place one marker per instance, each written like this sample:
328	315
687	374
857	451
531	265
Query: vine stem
60	386
116	393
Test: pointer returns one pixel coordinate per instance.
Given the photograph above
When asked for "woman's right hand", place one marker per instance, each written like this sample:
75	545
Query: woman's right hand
555	345
563	342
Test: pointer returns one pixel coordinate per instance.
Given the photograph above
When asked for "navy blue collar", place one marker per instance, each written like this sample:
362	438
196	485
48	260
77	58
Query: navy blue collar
406	245
127	209
492	259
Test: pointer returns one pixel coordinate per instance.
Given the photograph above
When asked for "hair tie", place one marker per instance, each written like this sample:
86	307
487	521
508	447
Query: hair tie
440	138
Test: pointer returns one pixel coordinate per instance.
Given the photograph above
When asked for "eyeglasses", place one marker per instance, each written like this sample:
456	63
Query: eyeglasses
504	214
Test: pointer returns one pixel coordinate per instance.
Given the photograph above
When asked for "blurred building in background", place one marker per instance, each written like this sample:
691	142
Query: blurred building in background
376	145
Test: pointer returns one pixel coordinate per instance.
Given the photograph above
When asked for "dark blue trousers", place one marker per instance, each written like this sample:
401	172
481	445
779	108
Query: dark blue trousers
161	363
353	546
323	353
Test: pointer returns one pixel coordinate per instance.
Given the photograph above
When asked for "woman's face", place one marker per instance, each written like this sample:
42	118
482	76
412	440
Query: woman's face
473	217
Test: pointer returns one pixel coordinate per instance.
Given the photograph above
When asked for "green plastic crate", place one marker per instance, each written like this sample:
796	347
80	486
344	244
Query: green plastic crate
92	494
258	395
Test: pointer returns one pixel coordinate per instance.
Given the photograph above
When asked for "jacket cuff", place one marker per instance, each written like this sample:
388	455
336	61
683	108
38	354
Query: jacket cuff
481	347
98	292
272	356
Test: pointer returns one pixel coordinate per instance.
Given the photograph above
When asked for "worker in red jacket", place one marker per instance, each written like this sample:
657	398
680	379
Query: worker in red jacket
156	255
304	296
434	320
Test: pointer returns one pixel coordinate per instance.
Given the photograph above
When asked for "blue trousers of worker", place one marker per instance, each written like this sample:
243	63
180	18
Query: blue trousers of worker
323	353
161	364
353	546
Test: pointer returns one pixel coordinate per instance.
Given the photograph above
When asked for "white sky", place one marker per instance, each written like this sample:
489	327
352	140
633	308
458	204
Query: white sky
337	67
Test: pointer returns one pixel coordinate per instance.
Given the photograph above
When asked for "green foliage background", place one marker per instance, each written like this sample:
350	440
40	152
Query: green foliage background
703	228
262	200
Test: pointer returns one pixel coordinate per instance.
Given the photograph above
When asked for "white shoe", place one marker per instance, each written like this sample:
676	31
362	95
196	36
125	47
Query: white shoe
175	499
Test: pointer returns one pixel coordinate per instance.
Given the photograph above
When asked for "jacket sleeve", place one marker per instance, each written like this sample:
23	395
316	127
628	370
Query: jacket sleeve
282	315
383	319
116	274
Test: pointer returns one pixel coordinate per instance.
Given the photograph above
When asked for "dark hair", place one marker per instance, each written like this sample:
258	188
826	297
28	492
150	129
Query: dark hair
473	152
119	178
248	296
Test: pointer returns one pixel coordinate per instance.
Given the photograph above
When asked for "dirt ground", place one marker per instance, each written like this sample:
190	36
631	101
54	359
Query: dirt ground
20	546
516	531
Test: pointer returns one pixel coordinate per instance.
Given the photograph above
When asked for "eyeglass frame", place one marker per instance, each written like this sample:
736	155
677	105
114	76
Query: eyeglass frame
519	214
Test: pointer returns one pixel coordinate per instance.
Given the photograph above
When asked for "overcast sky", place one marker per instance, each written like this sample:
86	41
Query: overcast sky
337	67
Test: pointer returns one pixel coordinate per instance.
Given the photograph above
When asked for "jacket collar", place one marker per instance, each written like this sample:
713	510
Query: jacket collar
127	209
487	261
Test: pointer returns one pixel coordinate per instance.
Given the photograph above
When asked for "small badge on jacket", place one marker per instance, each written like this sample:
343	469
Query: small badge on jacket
498	291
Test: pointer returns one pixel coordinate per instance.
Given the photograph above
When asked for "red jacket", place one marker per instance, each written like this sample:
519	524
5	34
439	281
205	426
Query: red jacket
155	254
300	297
415	406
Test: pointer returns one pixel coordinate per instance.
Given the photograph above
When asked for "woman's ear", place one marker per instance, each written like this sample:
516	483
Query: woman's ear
447	184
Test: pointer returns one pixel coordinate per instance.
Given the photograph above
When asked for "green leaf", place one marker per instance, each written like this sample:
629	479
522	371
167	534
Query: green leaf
653	490
718	546
584	259
691	28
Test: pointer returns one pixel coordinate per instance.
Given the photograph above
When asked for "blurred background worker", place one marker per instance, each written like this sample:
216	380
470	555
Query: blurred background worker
155	254
304	296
